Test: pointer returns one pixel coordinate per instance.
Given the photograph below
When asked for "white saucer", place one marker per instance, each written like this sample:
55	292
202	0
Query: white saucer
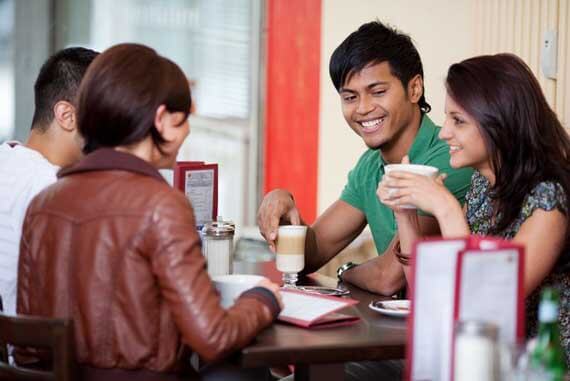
398	308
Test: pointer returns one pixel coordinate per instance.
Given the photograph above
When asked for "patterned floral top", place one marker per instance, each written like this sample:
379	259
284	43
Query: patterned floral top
546	196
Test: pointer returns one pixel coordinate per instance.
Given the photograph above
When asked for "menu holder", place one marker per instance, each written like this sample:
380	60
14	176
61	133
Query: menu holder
309	310
475	278
199	182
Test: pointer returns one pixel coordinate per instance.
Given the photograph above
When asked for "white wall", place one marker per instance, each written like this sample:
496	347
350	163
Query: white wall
443	33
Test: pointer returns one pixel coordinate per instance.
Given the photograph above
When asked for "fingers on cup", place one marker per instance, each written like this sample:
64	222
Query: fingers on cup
294	217
441	178
383	195
272	227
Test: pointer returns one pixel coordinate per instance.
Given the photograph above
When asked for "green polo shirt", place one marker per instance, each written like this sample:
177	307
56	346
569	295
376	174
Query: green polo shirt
360	191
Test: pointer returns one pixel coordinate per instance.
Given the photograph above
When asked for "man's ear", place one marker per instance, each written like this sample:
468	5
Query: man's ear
64	115
416	88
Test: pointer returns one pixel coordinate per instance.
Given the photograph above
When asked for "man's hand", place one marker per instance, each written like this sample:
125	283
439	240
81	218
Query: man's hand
277	206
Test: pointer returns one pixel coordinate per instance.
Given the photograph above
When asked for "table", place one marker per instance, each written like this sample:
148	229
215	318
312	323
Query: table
321	353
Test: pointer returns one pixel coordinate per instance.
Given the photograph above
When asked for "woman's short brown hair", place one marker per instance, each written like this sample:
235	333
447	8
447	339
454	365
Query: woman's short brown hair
121	92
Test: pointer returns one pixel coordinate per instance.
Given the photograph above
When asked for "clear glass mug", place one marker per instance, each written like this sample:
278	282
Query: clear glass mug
290	252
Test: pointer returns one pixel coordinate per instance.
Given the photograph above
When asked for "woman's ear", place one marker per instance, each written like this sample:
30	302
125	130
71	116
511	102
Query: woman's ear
64	115
160	119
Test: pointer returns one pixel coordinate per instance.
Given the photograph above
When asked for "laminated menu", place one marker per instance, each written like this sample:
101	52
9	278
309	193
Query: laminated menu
199	182
309	310
474	278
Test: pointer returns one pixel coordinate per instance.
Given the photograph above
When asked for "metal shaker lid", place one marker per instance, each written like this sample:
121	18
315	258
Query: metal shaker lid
477	328
219	229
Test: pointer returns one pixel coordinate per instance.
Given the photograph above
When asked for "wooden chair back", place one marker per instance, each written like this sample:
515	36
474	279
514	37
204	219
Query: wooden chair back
53	335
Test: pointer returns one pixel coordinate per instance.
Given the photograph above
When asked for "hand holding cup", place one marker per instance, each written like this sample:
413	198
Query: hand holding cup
277	207
410	186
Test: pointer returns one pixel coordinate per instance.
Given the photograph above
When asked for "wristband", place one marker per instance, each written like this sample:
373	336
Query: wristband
403	258
347	266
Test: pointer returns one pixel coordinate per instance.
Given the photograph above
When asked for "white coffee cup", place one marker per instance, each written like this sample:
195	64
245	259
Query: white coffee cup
232	286
419	169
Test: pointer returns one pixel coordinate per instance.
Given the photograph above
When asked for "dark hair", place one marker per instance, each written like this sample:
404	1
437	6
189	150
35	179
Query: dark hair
121	92
59	80
374	43
525	140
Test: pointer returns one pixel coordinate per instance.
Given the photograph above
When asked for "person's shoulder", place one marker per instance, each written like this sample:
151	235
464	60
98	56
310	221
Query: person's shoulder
117	191
156	191
434	151
478	181
478	189
27	171
549	189
163	196
548	195
369	159
26	162
172	207
368	156
429	124
368	163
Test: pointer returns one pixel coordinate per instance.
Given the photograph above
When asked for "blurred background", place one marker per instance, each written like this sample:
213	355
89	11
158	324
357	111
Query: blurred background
267	112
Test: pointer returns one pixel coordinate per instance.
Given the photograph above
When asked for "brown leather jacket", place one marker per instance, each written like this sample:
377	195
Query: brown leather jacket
114	247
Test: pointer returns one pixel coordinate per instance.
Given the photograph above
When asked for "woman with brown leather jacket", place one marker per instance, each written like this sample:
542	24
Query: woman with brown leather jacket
114	247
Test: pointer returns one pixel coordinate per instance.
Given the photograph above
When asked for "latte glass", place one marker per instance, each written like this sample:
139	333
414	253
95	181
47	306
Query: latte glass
290	252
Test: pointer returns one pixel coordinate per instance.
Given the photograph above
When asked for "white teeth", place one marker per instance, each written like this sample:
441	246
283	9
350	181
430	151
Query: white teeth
372	123
454	148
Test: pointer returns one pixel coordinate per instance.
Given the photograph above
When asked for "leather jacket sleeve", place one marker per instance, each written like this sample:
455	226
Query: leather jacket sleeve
180	268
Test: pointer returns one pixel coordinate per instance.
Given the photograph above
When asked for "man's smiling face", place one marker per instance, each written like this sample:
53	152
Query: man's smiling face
375	104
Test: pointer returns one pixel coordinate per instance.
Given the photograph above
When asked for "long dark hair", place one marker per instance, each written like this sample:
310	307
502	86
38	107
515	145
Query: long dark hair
120	93
374	43
525	140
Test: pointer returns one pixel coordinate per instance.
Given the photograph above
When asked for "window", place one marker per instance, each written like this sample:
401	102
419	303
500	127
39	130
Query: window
6	69
209	39
216	43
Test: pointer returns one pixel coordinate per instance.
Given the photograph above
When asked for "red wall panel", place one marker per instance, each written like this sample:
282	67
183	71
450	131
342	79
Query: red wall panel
292	113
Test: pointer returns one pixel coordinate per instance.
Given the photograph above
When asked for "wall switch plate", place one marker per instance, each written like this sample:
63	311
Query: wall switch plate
549	54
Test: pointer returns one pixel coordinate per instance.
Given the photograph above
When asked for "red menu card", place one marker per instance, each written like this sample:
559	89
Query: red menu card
199	182
308	310
474	278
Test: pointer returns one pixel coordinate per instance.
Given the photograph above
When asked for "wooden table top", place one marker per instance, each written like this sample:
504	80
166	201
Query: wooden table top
374	337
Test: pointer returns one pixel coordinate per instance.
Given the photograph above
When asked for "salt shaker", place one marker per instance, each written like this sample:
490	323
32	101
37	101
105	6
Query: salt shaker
476	354
218	243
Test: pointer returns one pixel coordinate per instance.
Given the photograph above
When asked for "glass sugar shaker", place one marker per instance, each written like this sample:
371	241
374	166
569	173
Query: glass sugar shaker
218	244
476	351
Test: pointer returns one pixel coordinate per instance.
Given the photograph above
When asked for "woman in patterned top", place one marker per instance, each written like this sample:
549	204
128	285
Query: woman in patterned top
499	122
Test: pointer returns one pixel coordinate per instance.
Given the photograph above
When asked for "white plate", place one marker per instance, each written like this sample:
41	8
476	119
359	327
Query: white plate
398	308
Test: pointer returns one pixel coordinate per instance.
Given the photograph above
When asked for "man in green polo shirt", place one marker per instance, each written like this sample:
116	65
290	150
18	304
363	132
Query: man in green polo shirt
378	74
